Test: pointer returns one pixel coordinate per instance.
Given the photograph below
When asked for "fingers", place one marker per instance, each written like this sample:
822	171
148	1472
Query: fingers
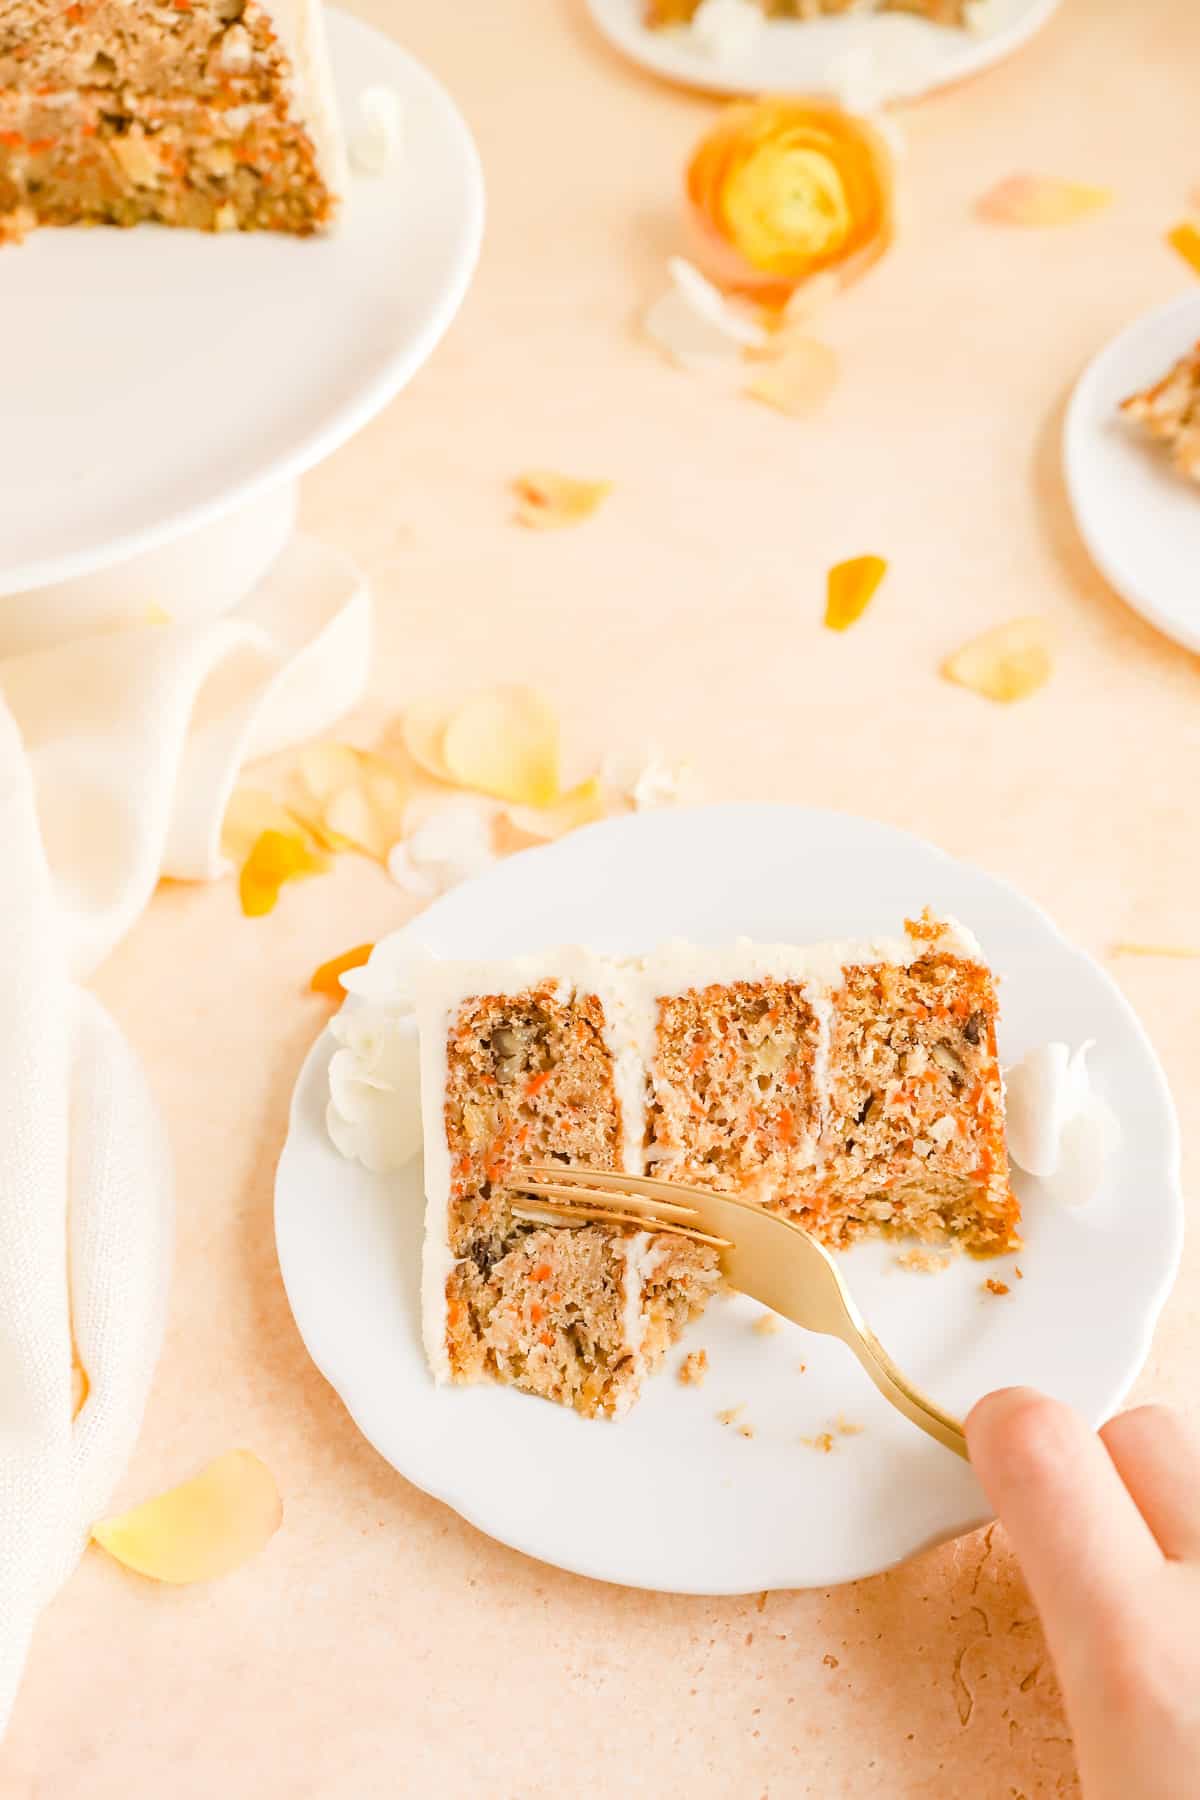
1158	1459
1082	1543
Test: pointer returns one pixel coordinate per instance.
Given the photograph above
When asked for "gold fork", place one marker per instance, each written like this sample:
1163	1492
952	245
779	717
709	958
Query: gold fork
763	1255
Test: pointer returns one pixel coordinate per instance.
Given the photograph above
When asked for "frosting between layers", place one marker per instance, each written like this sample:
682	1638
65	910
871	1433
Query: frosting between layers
629	989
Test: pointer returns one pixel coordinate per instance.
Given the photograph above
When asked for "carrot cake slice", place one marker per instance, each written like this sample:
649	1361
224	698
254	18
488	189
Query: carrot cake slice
853	1087
217	114
661	13
1169	413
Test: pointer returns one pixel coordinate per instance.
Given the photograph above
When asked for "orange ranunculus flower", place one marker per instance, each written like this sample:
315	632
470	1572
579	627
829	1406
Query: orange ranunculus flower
785	188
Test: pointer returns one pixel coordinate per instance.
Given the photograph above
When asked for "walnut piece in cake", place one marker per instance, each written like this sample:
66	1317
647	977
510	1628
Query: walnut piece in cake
1169	413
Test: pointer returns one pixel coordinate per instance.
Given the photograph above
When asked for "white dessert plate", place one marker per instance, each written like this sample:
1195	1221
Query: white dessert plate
165	376
1139	517
888	56
669	1497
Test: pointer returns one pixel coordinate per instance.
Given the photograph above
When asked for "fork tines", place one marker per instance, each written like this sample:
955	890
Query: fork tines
604	1197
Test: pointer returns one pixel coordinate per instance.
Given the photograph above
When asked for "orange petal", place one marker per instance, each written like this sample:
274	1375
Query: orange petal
250	812
1042	200
424	729
800	380
1008	663
850	587
1185	238
327	979
201	1529
546	500
505	743
277	857
581	805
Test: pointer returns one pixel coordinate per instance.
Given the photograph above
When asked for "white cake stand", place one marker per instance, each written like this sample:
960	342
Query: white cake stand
164	389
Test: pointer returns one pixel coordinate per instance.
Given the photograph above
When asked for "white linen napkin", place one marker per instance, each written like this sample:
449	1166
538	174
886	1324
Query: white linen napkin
118	752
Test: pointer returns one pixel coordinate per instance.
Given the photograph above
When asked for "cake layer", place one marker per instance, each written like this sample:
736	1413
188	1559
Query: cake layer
574	1314
217	114
853	1087
180	162
207	49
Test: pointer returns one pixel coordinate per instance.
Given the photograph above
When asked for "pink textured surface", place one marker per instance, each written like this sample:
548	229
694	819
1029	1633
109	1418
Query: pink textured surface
380	1646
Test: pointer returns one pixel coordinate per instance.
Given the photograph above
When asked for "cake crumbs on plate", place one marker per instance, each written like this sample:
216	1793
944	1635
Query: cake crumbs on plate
693	1368
822	1442
767	1324
729	1415
996	1287
803	1368
746	1431
830	1661
924	1262
846	1427
1018	1274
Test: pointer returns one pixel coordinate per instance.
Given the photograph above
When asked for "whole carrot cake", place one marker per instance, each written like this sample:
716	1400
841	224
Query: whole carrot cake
853	1087
217	114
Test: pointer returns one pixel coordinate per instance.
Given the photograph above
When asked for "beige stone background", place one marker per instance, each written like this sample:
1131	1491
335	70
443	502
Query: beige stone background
380	1646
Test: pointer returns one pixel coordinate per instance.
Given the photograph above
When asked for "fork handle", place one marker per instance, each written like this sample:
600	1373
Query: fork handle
894	1385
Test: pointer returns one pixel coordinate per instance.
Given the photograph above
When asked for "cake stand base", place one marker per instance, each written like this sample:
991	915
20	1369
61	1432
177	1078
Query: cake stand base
196	576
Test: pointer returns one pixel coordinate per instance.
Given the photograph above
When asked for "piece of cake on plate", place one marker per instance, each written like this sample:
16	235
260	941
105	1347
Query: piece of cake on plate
661	13
217	114
853	1087
1169	413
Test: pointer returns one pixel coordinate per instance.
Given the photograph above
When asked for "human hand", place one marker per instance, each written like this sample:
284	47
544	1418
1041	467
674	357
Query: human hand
1106	1527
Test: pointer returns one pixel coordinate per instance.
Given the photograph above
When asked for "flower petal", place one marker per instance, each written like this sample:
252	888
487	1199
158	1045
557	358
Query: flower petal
424	729
733	319
580	805
1185	238
250	812
547	500
850	588
506	742
201	1529
328	978
359	798
1008	663
277	856
1042	200
799	381
686	338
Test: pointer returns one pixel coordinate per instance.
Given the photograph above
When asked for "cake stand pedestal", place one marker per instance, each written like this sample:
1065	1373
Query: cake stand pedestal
171	386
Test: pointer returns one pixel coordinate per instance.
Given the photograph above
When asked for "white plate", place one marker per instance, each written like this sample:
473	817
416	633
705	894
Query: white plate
890	56
668	1497
1139	518
166	375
